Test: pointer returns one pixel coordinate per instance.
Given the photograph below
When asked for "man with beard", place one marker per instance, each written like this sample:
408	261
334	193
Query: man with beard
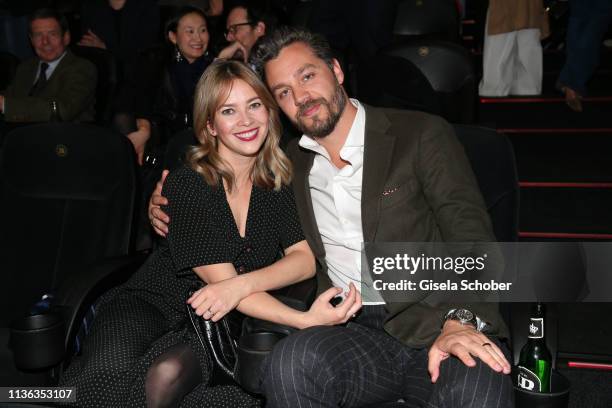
363	174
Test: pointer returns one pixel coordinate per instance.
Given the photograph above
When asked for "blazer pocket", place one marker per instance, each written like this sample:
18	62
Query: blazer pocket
393	196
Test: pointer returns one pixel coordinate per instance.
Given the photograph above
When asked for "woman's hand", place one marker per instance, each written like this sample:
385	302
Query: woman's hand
215	300
323	313
140	137
90	39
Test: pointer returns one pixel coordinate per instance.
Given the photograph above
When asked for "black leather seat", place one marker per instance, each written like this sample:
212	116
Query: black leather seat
432	76
432	19
68	191
108	77
8	67
492	158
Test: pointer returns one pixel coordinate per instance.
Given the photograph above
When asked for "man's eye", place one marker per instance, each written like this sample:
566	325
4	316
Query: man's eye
283	93
227	111
308	77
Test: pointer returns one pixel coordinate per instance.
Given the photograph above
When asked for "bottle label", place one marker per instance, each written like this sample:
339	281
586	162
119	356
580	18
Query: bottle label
528	380
536	328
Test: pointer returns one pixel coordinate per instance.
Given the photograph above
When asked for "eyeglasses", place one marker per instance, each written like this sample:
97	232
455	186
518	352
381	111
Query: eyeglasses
234	27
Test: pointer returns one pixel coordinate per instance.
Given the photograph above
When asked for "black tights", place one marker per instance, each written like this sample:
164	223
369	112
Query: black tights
172	376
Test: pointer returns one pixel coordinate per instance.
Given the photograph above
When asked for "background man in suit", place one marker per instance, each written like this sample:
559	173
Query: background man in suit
363	174
54	75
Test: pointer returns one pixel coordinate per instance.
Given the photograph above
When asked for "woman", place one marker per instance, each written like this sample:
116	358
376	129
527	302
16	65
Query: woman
120	26
232	211
161	83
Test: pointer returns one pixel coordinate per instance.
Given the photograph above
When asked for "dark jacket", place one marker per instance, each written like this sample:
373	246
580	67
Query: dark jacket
436	199
72	86
138	28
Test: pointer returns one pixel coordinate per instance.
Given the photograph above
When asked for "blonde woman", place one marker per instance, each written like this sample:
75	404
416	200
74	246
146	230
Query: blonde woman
232	211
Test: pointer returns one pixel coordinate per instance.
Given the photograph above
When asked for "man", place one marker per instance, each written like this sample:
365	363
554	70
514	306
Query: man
55	74
245	25
363	174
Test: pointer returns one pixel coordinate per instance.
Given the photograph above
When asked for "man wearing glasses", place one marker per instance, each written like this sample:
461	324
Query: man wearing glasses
244	27
55	75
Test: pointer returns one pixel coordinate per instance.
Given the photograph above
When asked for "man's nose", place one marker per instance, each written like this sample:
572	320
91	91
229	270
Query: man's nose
301	96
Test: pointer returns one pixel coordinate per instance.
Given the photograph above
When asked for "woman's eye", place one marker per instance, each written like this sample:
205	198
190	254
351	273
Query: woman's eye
255	105
227	111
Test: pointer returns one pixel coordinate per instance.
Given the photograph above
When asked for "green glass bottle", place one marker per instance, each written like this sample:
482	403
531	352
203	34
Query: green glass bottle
535	361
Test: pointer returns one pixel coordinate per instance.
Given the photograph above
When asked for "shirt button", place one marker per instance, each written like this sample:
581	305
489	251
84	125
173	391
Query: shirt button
241	269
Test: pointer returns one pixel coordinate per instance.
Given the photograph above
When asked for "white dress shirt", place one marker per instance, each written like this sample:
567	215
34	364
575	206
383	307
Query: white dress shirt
50	68
336	201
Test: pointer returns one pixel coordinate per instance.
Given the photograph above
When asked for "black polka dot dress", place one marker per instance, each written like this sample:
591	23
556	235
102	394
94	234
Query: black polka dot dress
138	321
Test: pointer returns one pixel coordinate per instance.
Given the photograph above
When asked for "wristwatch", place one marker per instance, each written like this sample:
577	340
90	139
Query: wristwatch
466	317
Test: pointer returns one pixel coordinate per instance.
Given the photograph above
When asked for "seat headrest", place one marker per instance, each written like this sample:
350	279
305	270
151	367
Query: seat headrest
446	66
65	160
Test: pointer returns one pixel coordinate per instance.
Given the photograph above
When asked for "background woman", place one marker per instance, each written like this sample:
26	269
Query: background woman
161	83
232	212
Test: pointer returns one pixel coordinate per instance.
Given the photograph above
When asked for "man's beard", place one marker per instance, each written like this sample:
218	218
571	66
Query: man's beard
322	128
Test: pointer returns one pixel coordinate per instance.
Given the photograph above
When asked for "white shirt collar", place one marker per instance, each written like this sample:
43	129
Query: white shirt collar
51	68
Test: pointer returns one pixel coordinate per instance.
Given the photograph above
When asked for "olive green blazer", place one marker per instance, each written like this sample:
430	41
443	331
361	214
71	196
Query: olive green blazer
434	198
72	85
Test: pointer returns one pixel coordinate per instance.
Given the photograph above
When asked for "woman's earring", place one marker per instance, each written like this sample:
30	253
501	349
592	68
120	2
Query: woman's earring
178	57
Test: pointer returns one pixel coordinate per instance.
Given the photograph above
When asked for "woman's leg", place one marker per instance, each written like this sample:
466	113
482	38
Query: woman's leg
121	333
172	376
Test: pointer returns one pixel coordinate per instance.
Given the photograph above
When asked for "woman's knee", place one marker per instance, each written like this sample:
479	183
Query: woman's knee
171	376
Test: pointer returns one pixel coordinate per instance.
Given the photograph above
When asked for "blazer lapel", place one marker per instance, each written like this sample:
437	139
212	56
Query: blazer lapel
378	150
302	163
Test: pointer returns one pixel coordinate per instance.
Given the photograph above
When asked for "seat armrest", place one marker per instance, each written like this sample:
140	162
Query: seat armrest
79	291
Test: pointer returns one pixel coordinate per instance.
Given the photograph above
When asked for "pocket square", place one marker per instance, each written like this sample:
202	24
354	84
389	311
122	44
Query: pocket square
389	191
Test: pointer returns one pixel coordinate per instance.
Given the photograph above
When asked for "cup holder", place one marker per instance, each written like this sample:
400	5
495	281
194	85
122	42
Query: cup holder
252	350
37	341
558	397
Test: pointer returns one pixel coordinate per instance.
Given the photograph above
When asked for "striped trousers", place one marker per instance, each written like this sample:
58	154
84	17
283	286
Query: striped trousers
360	365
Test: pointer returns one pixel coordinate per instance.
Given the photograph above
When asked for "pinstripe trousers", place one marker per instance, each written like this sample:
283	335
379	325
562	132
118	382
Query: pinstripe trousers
360	365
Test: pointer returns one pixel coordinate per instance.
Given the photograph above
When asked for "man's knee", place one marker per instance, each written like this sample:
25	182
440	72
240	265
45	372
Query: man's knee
294	357
478	386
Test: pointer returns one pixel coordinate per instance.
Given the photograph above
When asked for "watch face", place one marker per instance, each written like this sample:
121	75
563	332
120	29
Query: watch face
464	315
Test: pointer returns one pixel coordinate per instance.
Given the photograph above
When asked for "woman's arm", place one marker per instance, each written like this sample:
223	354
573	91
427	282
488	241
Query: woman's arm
262	305
140	137
226	288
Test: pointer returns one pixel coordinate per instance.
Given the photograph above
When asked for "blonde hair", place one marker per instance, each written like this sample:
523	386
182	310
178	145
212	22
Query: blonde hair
271	168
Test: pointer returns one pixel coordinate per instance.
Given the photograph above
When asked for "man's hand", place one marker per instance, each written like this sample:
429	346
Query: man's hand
323	313
464	342
159	219
90	39
230	51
